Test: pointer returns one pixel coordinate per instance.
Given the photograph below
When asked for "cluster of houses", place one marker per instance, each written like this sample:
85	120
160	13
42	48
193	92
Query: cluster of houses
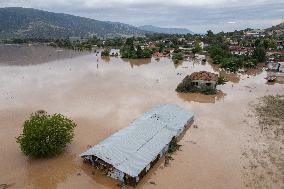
275	57
255	33
238	50
275	60
167	51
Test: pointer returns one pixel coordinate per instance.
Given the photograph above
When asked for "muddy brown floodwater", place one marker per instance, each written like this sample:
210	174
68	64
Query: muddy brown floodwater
103	96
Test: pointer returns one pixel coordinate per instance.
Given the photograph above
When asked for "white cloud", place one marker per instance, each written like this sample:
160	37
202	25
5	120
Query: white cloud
197	15
112	3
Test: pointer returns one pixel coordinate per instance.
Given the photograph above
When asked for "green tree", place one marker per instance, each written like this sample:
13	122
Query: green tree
272	44
217	59
259	54
177	56
210	33
105	52
257	43
139	52
220	50
129	41
46	135
147	53
197	48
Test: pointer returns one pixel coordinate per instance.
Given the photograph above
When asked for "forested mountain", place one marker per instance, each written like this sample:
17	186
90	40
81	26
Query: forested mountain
165	30
32	23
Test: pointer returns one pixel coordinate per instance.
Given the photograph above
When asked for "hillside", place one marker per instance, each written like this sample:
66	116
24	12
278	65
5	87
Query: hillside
33	23
277	30
155	29
277	27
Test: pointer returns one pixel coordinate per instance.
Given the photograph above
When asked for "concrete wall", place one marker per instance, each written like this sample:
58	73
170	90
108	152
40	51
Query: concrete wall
201	84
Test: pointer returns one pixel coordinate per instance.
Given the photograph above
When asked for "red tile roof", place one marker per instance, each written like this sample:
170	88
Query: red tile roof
203	75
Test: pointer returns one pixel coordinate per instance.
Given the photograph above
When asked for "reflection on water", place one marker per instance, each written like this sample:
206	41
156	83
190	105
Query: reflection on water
106	59
137	62
177	63
202	98
33	54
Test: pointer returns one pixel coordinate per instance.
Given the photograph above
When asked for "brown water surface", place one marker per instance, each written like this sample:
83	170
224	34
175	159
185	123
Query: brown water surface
103	96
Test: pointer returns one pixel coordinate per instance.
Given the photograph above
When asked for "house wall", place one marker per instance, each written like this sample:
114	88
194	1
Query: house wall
281	67
201	84
116	174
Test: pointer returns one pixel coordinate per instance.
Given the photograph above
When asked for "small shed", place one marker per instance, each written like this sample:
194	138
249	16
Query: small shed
204	80
129	154
273	66
281	67
276	66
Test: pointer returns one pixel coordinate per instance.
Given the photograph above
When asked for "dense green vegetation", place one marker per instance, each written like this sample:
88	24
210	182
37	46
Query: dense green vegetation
247	52
219	52
177	56
259	54
65	43
130	51
221	80
196	48
235	63
46	135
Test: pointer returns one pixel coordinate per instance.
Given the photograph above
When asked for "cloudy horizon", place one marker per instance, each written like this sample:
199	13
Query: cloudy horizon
196	15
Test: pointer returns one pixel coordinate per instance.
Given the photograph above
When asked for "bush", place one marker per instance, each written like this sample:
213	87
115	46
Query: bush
177	56
173	146
217	59
231	64
128	51
221	80
197	48
105	52
46	135
185	85
259	54
250	63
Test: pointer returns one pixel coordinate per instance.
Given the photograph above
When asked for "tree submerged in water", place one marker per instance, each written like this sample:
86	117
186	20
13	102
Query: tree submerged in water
105	52
173	146
177	56
129	50
46	135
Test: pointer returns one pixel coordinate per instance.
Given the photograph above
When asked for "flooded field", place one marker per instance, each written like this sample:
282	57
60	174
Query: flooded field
105	95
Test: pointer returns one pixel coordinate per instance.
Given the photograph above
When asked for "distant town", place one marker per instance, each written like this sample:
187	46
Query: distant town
232	51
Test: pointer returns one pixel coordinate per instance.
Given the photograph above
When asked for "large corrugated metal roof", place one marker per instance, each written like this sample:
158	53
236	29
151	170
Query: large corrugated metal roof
131	149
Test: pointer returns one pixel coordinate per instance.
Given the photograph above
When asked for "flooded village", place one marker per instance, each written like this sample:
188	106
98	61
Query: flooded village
103	95
159	111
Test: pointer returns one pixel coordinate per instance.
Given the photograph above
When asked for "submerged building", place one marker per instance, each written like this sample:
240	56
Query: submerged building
198	82
130	153
204	80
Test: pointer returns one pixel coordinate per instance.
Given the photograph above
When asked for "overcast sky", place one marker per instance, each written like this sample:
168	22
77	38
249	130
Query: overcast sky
196	15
